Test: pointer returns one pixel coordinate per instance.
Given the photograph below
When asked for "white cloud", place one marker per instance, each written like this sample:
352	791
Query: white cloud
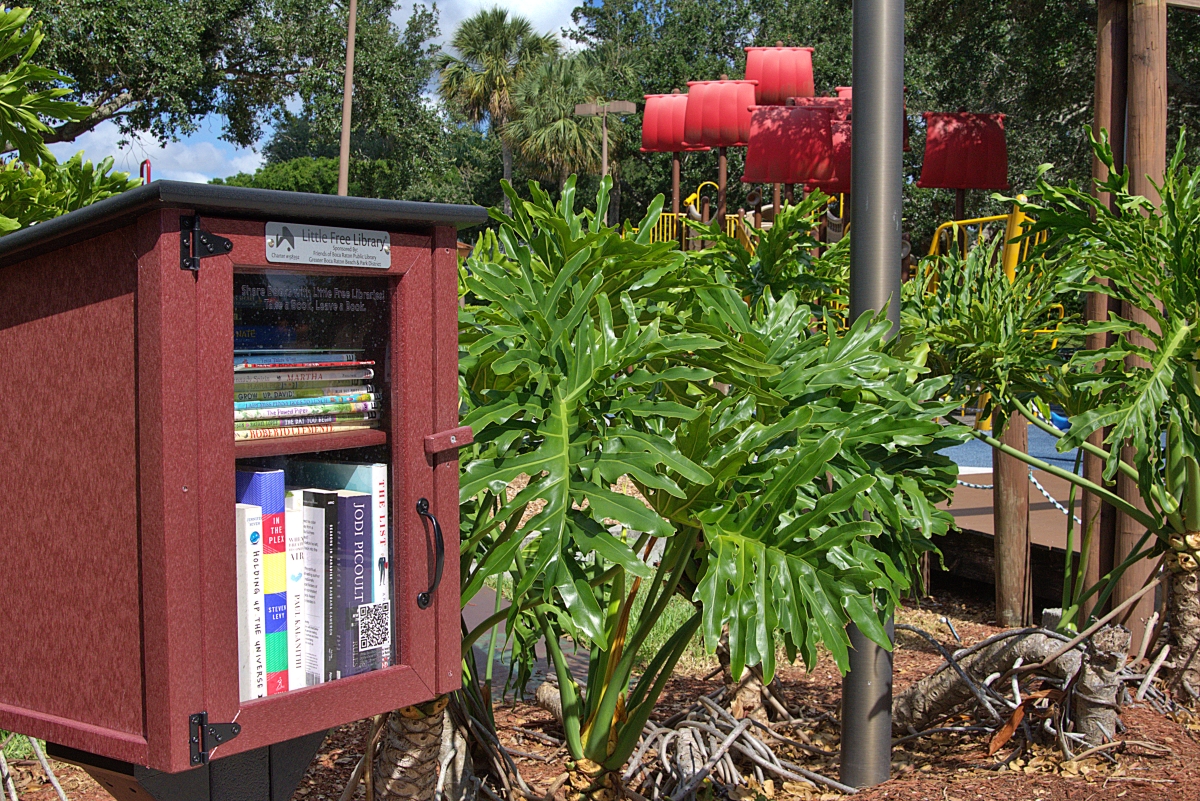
545	15
197	158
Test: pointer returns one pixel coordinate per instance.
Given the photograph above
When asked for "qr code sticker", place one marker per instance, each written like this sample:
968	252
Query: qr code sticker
374	626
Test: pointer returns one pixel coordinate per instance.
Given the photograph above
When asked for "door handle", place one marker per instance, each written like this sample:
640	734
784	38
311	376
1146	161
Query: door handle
424	599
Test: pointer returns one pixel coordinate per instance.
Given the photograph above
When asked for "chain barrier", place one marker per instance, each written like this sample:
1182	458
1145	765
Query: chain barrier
1035	483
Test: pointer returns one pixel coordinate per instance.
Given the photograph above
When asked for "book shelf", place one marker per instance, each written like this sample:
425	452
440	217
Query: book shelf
124	535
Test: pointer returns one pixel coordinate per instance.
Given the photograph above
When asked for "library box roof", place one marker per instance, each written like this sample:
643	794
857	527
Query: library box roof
232	201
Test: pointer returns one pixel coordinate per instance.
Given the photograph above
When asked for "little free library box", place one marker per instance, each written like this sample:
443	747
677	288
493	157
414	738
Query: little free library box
230	479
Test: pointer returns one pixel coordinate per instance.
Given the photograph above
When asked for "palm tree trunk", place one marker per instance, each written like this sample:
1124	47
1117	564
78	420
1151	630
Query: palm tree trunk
406	766
506	157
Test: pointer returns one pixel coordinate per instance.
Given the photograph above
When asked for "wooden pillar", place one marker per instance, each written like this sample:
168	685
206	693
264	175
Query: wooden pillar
776	200
1112	26
1146	157
1010	517
679	226
722	179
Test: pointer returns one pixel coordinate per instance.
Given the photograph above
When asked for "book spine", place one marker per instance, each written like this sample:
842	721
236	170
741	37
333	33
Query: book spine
295	389
381	556
353	577
331	588
293	521
242	368
314	588
299	431
252	666
290	358
316	400
314	410
308	377
266	490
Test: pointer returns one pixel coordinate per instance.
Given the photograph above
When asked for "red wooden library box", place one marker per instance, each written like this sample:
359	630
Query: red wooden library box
119	619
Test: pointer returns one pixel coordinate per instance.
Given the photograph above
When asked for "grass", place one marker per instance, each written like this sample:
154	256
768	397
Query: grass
18	747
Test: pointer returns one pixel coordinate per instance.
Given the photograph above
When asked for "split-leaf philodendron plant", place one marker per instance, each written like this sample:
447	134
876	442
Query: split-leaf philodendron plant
1142	391
790	476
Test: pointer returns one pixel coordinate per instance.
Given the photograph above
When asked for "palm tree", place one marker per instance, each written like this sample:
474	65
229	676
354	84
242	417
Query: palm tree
544	128
493	53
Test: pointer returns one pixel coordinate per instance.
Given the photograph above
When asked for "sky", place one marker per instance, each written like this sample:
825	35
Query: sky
203	155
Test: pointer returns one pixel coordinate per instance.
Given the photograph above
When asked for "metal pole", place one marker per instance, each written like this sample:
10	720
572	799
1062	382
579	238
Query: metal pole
877	150
867	712
876	173
347	92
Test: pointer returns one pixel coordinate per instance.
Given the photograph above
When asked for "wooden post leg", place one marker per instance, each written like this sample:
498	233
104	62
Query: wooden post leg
1010	514
776	200
722	179
1146	157
679	226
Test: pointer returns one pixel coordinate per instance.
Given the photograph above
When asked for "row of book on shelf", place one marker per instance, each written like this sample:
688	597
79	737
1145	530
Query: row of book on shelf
313	575
287	393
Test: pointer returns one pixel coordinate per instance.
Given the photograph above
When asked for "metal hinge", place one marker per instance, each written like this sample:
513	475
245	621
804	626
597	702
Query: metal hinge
195	244
204	736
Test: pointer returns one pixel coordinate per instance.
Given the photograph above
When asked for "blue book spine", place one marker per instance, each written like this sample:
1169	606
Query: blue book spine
293	358
265	489
354	584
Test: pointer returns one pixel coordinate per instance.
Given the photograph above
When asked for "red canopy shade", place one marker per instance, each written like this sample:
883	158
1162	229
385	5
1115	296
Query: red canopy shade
662	124
718	113
789	145
839	106
838	180
964	151
781	72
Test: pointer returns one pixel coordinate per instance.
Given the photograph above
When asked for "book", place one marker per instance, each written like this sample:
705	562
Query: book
305	420
300	376
352	583
302	431
371	479
242	368
253	357
265	489
319	509
296	389
293	523
252	665
286	403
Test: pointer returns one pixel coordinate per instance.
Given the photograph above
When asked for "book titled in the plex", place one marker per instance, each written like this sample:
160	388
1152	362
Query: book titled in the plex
302	431
252	646
265	489
309	377
353	582
293	517
371	479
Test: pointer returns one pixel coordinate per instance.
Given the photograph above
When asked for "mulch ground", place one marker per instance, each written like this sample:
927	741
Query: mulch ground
947	767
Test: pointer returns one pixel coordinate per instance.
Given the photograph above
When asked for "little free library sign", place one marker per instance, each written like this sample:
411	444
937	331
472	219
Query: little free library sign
296	243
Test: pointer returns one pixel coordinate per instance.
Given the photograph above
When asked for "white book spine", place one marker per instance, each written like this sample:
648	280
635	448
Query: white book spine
294	535
252	642
313	631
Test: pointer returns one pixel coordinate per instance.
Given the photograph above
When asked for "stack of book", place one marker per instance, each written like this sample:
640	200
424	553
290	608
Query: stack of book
288	393
313	576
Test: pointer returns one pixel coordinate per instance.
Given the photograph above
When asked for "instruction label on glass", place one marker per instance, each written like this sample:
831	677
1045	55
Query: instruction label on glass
296	243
